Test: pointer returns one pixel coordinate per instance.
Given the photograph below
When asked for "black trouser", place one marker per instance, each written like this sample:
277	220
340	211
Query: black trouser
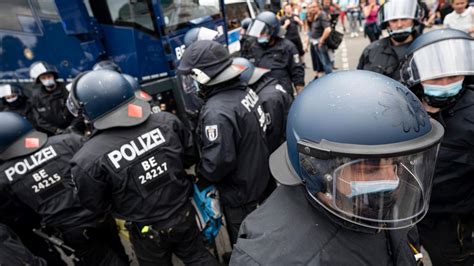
96	245
156	245
234	217
448	239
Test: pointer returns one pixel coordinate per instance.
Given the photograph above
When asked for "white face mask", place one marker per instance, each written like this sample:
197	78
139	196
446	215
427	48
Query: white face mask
48	82
11	99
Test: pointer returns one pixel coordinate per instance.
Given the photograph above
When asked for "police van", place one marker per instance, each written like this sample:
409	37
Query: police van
145	38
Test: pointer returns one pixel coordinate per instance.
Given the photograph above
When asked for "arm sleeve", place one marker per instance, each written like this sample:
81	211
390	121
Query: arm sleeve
218	153
362	60
42	124
186	137
296	67
325	23
93	192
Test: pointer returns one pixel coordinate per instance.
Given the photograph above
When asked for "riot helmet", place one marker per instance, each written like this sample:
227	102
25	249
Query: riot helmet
139	93
209	63
251	74
198	34
108	65
39	73
106	99
438	54
365	155
265	26
11	93
18	137
398	10
245	23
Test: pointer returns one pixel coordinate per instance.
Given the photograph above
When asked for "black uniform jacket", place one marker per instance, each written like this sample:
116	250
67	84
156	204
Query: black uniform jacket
453	183
49	109
381	57
234	152
288	230
42	181
276	102
137	172
282	59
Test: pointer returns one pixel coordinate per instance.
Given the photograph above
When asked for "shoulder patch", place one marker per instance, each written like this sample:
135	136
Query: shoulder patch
212	132
280	88
296	58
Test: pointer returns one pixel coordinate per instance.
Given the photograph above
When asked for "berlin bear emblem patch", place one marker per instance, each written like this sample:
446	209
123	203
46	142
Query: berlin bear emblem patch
212	132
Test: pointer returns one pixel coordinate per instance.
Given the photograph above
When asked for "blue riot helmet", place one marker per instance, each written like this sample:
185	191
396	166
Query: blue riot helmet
198	34
40	68
365	154
399	9
108	65
265	26
251	74
245	23
436	55
139	93
106	99
18	137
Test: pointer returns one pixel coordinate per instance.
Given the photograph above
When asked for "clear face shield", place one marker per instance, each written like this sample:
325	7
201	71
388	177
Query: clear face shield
259	29
380	193
399	9
446	58
72	105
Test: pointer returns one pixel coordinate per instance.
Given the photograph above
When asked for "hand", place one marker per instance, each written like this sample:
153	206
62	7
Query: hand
299	89
287	23
320	44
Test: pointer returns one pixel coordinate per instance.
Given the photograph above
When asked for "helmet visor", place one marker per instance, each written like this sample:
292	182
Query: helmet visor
72	105
399	9
5	90
382	193
446	58
258	29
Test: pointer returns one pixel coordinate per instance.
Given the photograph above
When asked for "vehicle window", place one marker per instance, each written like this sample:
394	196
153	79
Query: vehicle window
236	13
176	12
16	15
130	11
47	8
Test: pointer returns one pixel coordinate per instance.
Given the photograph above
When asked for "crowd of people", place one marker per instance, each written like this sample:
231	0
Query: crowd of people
359	167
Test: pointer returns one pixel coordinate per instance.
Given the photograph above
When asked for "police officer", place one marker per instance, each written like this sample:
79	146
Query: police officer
231	129
13	252
384	56
276	101
439	68
354	165
133	166
36	171
49	101
246	41
274	53
14	100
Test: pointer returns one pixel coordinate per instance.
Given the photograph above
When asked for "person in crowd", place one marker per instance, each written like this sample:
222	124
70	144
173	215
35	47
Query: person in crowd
343	185
371	28
231	131
275	53
353	13
440	70
14	100
462	18
385	55
133	167
49	101
291	23
320	30
36	172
